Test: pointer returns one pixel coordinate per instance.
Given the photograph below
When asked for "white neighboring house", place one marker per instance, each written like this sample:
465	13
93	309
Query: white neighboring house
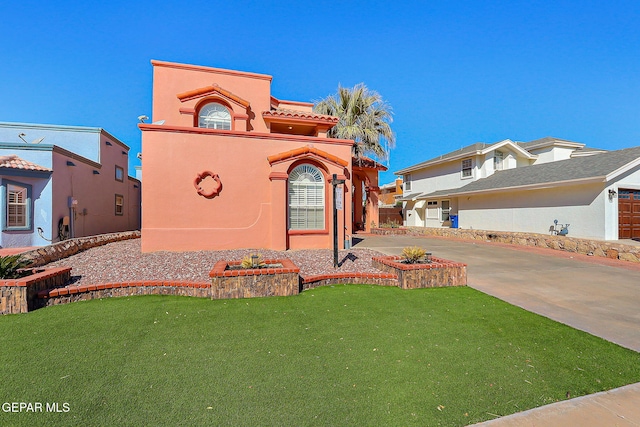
525	186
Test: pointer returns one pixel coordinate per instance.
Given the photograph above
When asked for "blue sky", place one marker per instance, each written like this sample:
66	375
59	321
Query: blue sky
455	72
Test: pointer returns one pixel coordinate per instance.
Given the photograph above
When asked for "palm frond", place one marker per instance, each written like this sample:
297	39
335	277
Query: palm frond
364	118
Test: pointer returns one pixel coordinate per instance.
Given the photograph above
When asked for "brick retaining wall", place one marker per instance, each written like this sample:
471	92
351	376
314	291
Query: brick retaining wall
563	243
21	295
249	283
439	273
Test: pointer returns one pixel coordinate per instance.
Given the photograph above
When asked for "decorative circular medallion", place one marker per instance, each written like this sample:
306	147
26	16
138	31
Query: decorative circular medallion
205	188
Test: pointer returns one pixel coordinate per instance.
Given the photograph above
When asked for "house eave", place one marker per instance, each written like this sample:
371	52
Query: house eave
529	187
433	162
629	166
149	127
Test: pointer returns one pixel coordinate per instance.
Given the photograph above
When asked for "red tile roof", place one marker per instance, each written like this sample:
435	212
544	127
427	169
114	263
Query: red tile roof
14	162
304	115
367	163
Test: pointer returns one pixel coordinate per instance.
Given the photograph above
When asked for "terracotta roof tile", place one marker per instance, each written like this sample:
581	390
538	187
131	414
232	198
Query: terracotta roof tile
295	114
14	162
367	163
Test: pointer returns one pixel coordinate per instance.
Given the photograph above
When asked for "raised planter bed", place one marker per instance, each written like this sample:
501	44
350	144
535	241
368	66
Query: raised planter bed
254	282
438	273
21	295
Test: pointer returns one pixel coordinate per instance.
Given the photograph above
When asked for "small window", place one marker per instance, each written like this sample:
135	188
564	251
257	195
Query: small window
214	116
119	204
407	182
498	159
432	209
119	174
445	210
17	206
466	168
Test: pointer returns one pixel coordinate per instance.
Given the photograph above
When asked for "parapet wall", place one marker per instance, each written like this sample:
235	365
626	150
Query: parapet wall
563	243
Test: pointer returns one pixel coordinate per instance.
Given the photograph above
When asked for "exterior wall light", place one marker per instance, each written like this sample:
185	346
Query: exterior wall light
612	194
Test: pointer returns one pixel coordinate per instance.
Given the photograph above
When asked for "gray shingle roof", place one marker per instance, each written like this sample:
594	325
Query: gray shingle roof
595	166
479	146
547	140
469	149
408	197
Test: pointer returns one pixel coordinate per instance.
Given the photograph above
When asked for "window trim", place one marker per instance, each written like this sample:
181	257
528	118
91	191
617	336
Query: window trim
469	168
442	210
28	206
210	103
121	206
121	170
322	183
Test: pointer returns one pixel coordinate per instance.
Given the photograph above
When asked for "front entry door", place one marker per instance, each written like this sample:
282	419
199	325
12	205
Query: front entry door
628	214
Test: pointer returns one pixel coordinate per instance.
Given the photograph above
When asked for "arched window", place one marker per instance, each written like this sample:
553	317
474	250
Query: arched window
306	198
214	116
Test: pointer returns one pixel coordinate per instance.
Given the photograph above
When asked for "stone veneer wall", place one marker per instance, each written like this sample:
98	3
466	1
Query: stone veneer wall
563	243
66	248
439	273
251	283
21	295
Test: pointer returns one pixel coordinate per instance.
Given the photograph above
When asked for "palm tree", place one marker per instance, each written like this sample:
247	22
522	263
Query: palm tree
364	117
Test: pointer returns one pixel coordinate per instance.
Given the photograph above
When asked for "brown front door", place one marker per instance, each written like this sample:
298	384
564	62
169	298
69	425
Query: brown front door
629	214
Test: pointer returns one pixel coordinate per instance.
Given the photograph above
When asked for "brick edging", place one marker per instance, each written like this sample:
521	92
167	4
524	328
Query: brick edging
81	289
383	279
393	260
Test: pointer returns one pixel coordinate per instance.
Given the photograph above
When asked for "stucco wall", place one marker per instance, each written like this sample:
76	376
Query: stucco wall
41	198
581	206
171	79
95	194
251	209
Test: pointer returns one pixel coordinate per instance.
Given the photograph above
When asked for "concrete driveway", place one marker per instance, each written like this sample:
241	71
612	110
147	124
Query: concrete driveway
596	295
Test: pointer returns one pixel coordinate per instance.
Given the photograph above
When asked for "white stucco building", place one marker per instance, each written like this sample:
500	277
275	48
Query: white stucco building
526	186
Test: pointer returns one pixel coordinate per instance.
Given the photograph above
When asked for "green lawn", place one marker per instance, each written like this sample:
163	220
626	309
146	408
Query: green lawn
343	355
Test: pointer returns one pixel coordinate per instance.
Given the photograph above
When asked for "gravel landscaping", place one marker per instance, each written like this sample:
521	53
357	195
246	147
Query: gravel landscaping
123	261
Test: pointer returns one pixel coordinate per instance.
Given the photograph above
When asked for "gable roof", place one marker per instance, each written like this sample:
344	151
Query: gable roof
208	90
306	152
12	161
549	141
479	148
602	167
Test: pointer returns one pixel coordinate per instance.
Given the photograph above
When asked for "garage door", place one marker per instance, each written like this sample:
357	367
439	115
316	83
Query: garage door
629	214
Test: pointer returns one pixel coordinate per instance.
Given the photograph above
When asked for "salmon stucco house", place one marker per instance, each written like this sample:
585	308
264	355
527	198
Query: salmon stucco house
226	165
